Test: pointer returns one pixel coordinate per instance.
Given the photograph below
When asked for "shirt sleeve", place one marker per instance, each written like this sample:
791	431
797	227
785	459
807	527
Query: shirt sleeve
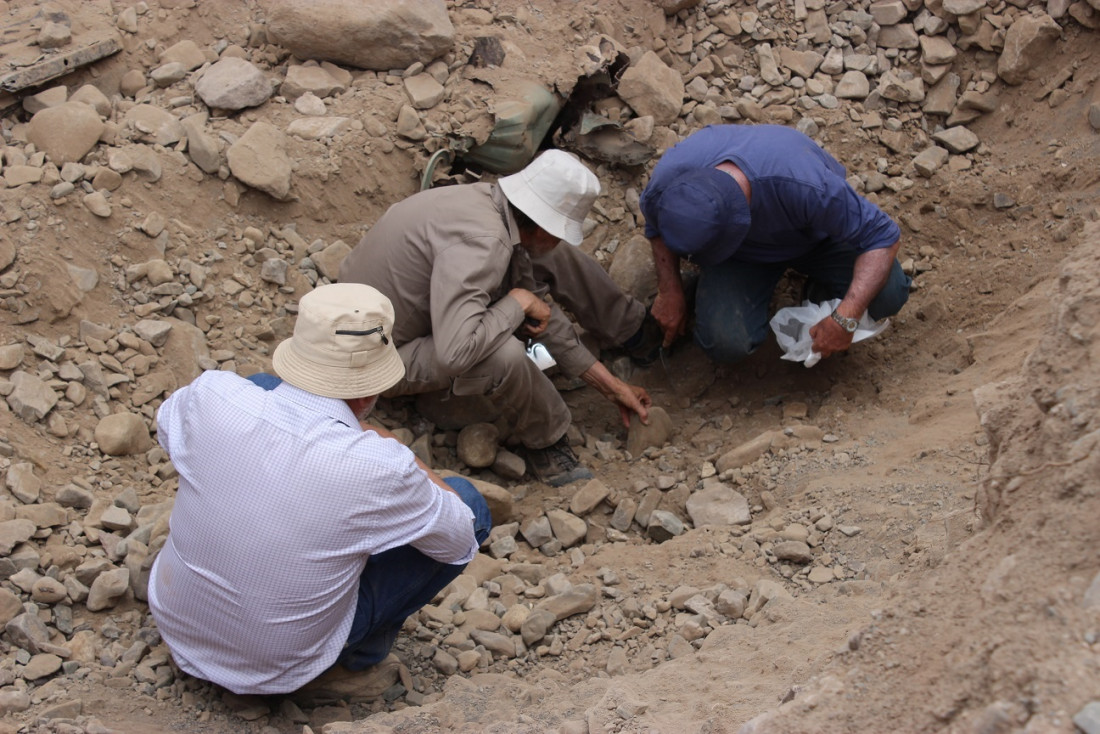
435	522
848	217
466	326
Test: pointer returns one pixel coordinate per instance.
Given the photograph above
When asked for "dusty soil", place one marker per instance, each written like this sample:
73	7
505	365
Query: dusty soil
957	604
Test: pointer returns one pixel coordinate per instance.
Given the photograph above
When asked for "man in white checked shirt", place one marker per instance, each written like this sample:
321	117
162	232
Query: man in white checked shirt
302	537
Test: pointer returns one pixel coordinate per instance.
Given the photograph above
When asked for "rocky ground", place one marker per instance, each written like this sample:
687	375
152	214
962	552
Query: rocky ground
901	538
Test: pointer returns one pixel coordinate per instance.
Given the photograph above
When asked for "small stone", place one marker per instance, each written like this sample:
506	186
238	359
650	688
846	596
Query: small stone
477	445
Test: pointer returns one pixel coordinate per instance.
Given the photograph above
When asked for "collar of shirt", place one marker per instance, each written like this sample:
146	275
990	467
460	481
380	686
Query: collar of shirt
500	201
334	408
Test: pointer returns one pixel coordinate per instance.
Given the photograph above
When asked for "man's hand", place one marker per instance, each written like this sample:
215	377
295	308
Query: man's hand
629	398
829	337
535	310
670	311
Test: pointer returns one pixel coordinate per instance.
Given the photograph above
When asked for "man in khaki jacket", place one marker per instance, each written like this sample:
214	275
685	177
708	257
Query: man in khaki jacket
467	267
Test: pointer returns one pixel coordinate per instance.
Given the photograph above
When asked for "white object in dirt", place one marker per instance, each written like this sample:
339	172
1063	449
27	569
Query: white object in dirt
792	329
540	355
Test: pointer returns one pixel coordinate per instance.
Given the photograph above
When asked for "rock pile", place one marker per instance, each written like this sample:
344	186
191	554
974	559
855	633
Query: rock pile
84	521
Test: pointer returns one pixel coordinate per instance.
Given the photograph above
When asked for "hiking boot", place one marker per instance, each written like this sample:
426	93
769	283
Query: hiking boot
556	465
645	346
354	686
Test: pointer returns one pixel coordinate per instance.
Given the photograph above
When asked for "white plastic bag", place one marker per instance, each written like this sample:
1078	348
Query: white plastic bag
792	329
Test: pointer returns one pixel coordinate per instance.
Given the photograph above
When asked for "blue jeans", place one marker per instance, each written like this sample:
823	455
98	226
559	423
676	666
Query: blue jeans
400	581
732	299
397	582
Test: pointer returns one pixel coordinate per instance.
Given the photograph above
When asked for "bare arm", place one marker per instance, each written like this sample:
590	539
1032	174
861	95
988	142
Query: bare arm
669	308
871	271
629	398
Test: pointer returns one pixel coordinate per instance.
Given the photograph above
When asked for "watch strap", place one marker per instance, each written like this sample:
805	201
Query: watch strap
848	324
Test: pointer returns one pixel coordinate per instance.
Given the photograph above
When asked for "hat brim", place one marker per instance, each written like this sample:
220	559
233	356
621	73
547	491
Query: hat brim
520	195
344	383
704	216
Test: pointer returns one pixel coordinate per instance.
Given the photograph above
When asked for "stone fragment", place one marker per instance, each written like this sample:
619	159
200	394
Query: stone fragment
718	505
957	139
655	435
409	125
537	531
108	589
937	50
7	254
888	12
168	74
368	34
259	159
567	528
930	160
509	465
588	497
31	398
186	52
154	124
202	148
309	79
91	95
1088	718
663	525
97	204
11	356
154	331
122	434
651	87
329	259
477	445
764	591
14	532
794	551
423	91
1028	41
233	84
853	85
747	452
51	97
66	132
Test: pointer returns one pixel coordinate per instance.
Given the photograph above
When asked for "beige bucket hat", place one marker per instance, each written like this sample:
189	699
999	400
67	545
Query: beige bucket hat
342	345
556	191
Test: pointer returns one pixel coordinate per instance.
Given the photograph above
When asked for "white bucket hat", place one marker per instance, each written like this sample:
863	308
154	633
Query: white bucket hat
342	345
556	191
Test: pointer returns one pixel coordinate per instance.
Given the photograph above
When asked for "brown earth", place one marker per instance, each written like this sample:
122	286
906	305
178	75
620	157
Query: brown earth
960	608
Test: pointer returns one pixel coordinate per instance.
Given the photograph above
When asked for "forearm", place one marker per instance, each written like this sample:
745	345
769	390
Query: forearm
667	265
871	271
599	377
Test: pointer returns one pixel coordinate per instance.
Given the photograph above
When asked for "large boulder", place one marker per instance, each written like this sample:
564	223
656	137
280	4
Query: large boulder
369	34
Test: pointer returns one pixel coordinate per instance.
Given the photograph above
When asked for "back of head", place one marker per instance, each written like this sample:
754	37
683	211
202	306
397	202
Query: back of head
342	345
703	215
556	191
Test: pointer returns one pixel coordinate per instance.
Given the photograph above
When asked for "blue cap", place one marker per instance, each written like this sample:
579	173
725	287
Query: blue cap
703	216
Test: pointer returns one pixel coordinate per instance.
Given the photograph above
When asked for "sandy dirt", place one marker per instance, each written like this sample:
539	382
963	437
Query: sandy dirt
958	444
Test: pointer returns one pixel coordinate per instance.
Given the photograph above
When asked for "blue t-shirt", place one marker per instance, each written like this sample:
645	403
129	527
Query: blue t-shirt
800	198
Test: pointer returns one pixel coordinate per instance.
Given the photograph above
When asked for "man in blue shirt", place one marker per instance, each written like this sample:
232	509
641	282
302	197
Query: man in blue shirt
747	203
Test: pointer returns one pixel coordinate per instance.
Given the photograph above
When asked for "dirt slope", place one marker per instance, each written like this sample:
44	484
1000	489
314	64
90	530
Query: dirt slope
961	454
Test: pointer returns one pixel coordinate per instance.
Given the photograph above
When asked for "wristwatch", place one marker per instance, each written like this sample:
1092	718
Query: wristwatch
849	325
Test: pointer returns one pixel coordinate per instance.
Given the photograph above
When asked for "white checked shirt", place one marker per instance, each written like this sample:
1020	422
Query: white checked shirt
282	497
